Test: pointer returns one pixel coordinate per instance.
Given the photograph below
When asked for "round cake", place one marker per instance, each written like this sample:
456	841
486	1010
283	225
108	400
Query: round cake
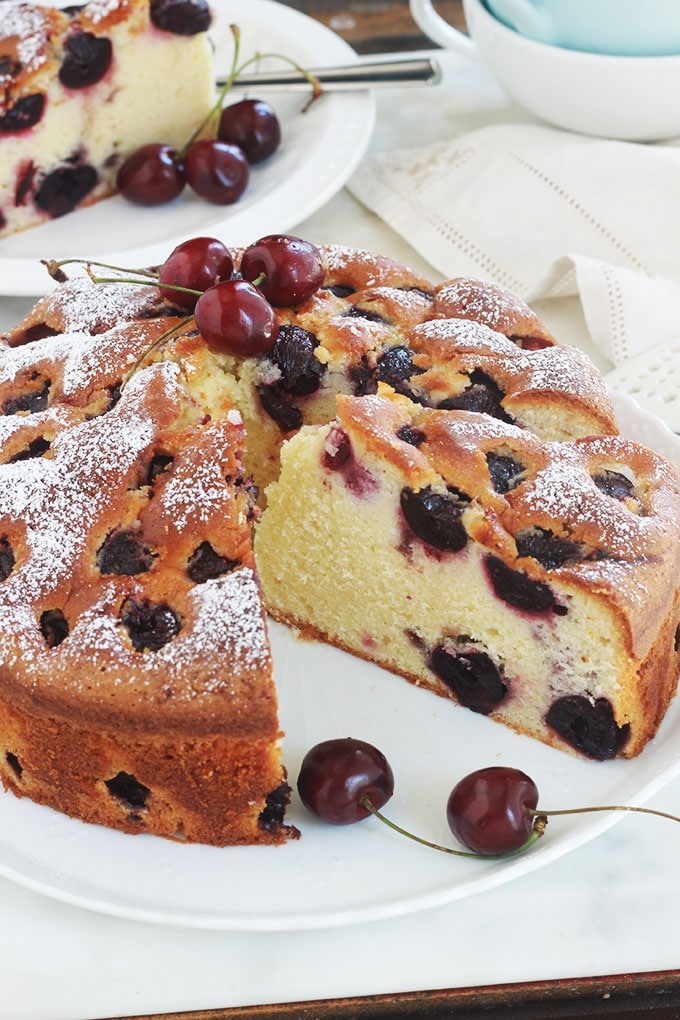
418	474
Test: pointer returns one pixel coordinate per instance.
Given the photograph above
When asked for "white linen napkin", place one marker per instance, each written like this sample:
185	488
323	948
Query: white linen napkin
545	213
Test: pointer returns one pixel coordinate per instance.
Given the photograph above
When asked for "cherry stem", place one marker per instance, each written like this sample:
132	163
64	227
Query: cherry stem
217	106
55	266
540	822
152	347
143	283
235	70
606	807
149	277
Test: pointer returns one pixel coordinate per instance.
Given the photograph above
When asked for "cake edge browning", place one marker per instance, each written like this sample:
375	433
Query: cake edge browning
215	790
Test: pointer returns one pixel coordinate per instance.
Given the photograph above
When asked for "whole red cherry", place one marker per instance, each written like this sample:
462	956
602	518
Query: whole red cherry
234	318
196	264
152	175
489	811
337	774
287	269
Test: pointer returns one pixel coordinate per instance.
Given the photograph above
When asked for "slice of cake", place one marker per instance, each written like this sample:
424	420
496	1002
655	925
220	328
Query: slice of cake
537	583
135	673
82	87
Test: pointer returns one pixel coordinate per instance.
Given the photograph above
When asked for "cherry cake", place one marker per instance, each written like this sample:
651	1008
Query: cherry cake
447	496
83	86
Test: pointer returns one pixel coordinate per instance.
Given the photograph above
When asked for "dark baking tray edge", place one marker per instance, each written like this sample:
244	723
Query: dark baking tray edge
632	996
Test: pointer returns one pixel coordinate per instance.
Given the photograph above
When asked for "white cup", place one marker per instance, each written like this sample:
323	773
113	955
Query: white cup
628	98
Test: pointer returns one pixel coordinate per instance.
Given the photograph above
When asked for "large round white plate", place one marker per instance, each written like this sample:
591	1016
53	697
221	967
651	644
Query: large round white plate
338	876
319	151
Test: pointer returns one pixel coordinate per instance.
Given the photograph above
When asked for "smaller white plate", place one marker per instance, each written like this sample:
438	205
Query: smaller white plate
319	151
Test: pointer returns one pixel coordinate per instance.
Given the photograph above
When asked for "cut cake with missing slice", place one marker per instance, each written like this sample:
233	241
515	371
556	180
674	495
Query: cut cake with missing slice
424	440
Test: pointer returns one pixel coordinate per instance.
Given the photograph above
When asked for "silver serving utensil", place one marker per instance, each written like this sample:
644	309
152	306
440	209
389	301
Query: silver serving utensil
351	77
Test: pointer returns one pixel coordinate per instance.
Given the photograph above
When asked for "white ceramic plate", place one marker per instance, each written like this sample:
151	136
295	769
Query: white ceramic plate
339	876
319	151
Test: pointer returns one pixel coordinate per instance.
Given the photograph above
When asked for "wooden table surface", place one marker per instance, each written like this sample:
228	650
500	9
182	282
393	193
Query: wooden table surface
376	26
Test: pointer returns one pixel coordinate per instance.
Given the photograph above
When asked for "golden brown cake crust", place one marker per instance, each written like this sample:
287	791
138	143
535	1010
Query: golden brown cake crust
485	303
202	787
59	541
532	381
77	306
26	40
130	601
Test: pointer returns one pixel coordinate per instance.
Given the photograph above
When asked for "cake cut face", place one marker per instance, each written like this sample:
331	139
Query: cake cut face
83	86
536	583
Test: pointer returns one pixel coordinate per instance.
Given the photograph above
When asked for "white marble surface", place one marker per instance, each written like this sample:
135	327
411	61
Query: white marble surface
611	907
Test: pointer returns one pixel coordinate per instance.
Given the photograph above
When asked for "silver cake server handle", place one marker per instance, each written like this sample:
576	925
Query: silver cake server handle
351	77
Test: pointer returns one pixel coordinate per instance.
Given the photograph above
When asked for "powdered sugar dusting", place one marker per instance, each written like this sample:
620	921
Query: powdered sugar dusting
556	369
26	24
558	489
189	500
58	499
467	428
560	370
82	358
229	631
483	302
366	268
462	333
563	491
222	641
51	506
619	578
52	418
85	306
99	10
338	258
